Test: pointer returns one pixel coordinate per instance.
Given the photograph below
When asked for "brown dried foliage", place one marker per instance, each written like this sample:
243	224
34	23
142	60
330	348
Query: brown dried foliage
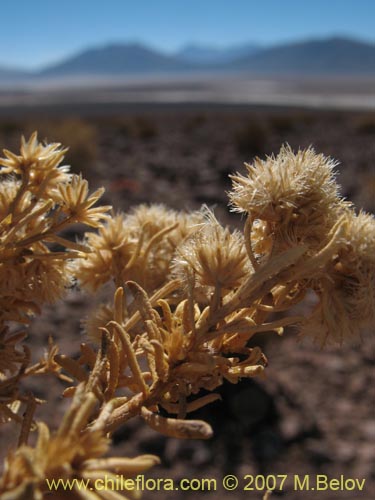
189	296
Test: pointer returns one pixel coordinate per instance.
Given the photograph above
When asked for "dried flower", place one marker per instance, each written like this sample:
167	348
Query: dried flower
216	256
35	279
346	290
34	156
295	195
112	250
138	247
76	202
33	210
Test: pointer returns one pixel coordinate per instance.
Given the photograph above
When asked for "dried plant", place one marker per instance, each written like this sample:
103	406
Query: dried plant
189	294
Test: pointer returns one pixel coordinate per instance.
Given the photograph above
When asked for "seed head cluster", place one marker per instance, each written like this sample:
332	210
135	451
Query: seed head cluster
188	296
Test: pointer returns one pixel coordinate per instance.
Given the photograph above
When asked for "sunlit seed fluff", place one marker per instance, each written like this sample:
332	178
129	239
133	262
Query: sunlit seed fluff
161	230
111	251
215	255
139	246
295	193
151	219
38	280
47	279
154	227
114	234
274	185
347	291
356	269
94	270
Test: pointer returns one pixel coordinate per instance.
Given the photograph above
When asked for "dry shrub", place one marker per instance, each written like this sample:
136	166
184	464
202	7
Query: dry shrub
189	295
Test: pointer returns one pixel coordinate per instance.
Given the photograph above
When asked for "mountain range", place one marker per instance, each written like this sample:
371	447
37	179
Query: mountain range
205	54
331	56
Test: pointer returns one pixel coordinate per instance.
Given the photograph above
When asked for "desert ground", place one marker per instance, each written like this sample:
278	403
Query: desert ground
314	411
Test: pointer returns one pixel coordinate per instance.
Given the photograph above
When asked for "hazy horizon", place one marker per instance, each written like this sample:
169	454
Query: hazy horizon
192	43
44	33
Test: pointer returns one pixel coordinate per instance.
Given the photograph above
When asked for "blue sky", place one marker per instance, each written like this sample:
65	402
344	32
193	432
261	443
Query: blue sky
36	32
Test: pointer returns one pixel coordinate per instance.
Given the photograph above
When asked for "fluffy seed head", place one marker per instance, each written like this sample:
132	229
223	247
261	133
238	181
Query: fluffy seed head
294	194
347	291
216	256
139	247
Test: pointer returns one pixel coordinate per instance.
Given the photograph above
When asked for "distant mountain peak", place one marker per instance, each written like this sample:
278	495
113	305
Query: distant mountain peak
335	55
332	55
117	59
